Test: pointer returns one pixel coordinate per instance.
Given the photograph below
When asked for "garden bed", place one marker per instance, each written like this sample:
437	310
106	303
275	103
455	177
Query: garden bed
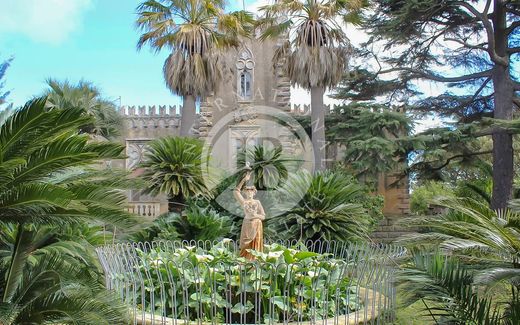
168	283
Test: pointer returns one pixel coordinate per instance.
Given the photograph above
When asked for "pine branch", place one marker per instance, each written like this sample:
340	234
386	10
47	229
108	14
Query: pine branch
489	31
514	25
513	50
448	161
467	45
428	75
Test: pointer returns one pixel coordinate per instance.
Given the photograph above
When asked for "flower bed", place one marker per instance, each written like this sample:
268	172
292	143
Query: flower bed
164	282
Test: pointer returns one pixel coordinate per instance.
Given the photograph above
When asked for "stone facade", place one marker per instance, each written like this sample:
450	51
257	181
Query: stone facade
251	81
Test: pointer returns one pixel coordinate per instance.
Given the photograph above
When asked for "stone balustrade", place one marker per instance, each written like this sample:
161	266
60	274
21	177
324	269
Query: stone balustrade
145	209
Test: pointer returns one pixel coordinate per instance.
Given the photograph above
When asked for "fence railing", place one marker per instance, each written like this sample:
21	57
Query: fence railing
291	282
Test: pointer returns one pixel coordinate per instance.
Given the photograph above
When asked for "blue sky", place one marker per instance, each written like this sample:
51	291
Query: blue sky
92	40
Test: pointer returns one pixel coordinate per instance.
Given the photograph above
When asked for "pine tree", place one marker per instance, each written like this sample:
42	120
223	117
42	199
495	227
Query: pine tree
470	46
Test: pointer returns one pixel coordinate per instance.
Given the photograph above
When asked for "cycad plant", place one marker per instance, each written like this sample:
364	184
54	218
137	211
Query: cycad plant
106	122
173	167
39	147
324	206
449	294
195	31
269	167
315	52
476	234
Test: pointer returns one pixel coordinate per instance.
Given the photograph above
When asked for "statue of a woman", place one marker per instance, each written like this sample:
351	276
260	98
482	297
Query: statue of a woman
252	233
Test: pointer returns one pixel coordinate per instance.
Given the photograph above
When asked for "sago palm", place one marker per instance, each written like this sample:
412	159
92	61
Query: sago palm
195	31
448	292
324	206
477	235
269	167
315	54
39	147
173	167
107	121
54	292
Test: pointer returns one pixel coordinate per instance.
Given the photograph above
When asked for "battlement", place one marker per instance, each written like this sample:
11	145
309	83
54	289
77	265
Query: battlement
170	111
305	109
151	111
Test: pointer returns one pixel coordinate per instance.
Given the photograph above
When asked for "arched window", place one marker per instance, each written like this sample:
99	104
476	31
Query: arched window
245	68
245	85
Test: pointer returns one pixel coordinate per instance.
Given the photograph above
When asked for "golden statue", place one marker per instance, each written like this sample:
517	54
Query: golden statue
252	232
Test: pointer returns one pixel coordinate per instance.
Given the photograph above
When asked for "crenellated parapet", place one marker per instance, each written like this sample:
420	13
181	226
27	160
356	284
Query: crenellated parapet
163	117
151	111
305	109
151	117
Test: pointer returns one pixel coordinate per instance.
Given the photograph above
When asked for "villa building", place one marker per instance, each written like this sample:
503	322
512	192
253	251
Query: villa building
251	82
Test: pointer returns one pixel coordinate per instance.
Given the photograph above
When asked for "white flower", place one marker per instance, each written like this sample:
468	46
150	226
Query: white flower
312	274
274	254
190	248
204	257
157	262
226	240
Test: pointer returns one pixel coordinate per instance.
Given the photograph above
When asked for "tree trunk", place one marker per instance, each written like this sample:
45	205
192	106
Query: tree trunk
318	127
176	204
187	115
502	141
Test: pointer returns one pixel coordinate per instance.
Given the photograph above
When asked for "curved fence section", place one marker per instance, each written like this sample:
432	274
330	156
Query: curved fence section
290	282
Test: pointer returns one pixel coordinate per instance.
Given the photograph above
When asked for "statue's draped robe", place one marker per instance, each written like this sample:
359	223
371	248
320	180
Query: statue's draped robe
252	233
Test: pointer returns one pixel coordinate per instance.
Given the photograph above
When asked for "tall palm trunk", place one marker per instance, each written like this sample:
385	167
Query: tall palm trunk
502	140
187	115
318	127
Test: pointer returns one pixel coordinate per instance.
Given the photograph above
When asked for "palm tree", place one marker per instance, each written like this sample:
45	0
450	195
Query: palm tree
107	121
315	52
323	206
48	178
173	166
195	31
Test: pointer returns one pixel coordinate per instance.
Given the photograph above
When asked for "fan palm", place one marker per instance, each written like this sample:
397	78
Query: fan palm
195	31
315	53
173	167
39	147
107	121
322	206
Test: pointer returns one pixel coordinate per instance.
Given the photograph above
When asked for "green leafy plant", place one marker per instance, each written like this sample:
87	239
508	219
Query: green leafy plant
447	291
196	223
49	178
107	122
329	206
269	167
173	167
217	285
422	196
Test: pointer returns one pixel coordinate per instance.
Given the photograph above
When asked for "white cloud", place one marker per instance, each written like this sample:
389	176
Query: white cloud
46	21
253	7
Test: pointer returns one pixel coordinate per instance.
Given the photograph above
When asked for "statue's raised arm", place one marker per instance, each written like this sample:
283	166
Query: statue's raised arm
237	192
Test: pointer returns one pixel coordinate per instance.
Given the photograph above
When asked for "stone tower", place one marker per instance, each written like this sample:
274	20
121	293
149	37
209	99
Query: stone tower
251	81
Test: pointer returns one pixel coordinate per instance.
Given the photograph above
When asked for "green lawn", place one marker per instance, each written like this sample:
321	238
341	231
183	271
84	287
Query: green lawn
413	315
